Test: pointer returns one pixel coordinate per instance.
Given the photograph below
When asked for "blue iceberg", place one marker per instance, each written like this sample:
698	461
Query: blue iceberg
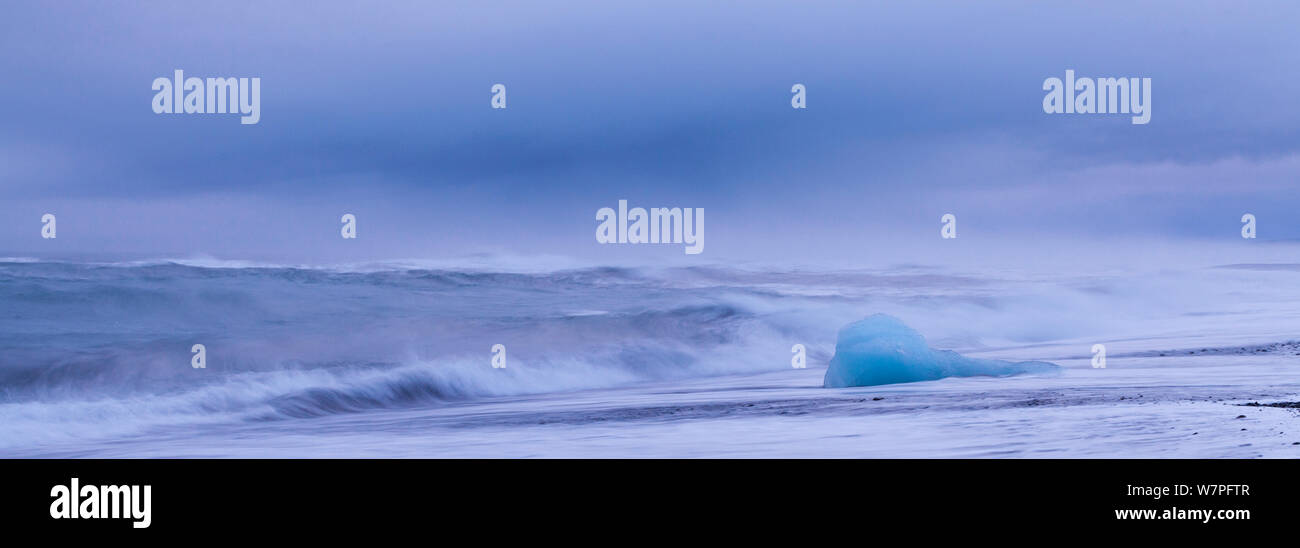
883	350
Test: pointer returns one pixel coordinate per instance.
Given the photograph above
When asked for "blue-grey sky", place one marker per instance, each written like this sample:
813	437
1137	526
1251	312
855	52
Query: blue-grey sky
383	110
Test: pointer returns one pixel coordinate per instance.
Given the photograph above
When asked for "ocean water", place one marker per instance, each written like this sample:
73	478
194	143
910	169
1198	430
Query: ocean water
395	360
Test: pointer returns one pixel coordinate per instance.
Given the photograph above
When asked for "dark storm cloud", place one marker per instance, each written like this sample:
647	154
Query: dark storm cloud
678	99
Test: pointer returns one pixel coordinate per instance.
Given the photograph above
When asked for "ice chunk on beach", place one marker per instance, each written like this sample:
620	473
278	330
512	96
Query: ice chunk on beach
883	350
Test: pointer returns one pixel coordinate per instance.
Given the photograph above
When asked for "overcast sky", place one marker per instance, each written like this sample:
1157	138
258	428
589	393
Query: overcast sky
384	111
